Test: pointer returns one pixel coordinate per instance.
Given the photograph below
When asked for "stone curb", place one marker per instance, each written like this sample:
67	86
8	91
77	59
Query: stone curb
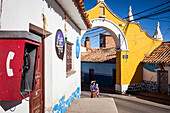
134	99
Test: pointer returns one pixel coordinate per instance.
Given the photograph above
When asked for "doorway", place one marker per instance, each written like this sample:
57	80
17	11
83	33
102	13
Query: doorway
163	82
37	98
91	74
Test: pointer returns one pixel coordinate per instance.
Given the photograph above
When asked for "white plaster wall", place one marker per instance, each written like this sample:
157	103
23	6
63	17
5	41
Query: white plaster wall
16	15
152	76
149	76
62	85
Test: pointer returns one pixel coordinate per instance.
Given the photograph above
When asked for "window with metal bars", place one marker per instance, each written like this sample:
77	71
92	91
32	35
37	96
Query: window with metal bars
68	57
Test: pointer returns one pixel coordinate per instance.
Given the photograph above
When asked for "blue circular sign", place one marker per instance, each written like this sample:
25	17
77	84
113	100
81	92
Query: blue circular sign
77	47
59	44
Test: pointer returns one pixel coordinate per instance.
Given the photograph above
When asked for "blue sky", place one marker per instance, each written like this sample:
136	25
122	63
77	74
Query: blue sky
120	7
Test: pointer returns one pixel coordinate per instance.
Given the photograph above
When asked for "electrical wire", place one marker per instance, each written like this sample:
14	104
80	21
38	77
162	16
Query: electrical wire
94	35
158	12
162	17
166	32
92	29
150	15
94	32
28	92
149	9
12	110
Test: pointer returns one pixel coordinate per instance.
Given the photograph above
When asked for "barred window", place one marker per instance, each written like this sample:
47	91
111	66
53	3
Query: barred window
68	57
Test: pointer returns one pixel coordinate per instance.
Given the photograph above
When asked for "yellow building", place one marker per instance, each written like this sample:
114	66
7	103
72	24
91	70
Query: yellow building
133	44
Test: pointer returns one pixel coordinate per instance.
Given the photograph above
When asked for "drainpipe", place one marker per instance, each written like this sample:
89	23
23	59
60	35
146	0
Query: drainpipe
0	11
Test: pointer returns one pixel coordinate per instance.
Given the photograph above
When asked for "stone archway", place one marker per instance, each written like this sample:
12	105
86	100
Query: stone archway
114	30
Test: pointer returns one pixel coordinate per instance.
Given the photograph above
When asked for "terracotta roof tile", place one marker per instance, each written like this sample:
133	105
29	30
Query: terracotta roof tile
160	54
82	11
99	55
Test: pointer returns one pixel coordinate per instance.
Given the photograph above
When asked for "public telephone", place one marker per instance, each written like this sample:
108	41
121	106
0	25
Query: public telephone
18	63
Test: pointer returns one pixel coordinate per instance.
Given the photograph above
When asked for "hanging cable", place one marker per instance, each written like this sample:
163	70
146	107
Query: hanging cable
95	35
149	9
94	32
150	15
28	92
93	29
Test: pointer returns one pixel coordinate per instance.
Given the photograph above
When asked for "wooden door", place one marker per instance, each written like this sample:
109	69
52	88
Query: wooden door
37	99
91	74
163	82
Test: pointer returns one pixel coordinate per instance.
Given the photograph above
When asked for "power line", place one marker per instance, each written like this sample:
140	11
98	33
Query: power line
166	32
95	35
158	13
93	29
161	17
148	9
93	32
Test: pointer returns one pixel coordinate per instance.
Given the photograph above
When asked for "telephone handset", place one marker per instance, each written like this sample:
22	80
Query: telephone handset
27	62
26	67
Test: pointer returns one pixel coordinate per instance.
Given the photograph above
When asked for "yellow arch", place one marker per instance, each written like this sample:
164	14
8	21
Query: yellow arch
140	44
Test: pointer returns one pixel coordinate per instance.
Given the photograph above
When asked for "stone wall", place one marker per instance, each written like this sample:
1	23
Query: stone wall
150	86
135	87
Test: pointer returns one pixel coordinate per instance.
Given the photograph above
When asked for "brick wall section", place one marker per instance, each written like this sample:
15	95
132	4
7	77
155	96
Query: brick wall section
108	41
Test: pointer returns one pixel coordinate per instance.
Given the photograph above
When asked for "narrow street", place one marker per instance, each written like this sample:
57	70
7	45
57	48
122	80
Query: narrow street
125	105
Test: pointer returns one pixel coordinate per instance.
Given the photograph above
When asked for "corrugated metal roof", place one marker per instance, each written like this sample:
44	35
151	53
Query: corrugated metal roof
99	55
160	55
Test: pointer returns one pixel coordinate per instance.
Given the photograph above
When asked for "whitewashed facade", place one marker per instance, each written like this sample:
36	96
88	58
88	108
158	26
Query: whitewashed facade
17	15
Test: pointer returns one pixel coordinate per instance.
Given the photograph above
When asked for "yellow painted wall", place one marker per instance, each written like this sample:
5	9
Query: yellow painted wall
118	67
139	45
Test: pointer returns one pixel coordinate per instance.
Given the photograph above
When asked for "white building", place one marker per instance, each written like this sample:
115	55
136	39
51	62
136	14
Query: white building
57	77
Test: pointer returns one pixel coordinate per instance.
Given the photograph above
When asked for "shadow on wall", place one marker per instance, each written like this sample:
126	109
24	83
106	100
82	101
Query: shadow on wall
136	83
52	6
7	105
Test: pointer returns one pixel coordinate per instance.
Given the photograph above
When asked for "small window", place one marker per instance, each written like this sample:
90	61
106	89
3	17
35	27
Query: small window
68	57
102	11
69	60
101	40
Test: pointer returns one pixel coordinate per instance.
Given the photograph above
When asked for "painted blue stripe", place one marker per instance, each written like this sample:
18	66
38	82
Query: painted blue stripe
151	67
62	106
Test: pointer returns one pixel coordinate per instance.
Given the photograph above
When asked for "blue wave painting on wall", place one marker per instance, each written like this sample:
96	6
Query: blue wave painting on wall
151	68
63	104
